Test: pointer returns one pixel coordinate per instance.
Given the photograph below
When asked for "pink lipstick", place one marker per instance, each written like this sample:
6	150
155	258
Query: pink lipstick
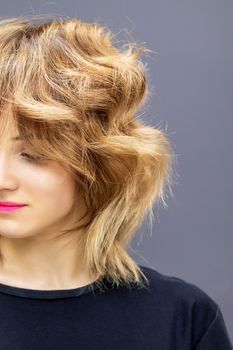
8	207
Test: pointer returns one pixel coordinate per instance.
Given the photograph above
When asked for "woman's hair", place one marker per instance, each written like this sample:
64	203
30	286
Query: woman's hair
74	97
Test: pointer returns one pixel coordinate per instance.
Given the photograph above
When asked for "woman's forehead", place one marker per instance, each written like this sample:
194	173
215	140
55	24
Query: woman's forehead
8	127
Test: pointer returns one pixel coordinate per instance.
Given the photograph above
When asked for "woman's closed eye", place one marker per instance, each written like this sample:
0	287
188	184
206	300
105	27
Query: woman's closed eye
31	158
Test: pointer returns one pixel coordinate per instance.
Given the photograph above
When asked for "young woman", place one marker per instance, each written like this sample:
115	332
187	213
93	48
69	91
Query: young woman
78	174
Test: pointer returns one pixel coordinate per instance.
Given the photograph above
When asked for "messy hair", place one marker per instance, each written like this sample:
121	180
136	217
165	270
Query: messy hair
74	96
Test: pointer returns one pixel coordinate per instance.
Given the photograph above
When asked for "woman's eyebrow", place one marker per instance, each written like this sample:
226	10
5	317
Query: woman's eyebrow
16	138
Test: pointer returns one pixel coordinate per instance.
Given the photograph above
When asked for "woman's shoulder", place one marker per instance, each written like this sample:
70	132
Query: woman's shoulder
177	289
180	295
189	307
168	292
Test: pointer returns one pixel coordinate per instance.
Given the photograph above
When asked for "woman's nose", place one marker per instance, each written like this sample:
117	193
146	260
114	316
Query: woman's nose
7	174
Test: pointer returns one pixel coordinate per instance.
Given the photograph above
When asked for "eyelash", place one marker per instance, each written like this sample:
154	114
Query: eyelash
32	159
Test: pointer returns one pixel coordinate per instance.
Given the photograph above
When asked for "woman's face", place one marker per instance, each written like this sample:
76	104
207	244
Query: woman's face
47	189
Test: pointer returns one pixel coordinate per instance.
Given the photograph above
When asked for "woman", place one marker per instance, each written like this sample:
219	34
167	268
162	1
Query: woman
78	174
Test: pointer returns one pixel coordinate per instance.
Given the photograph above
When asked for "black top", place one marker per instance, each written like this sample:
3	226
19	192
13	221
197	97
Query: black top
171	314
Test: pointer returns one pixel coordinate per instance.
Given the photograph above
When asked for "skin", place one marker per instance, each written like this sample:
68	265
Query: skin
29	258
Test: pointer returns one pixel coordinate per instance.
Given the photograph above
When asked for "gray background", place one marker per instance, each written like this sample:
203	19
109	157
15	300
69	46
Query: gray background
191	81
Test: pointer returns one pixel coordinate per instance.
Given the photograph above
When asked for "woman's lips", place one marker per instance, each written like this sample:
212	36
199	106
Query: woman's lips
8	209
11	204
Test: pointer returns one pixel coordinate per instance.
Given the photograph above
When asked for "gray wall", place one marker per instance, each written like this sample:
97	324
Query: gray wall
191	77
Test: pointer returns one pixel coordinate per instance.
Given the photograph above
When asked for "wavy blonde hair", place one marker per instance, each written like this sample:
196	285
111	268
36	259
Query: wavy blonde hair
74	97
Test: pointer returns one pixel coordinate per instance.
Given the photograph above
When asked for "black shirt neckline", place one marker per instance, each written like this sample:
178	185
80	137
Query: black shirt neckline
47	294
